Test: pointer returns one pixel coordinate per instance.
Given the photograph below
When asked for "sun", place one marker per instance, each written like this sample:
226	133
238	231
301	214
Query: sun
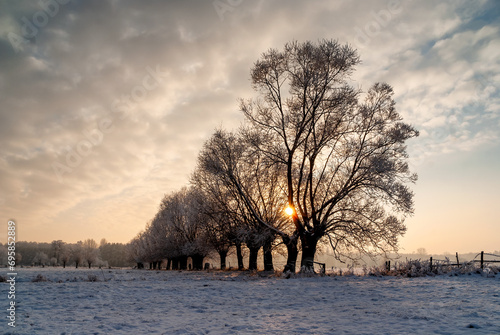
289	210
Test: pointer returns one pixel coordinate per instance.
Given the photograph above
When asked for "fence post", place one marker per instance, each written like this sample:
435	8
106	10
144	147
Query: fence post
458	263
431	263
482	259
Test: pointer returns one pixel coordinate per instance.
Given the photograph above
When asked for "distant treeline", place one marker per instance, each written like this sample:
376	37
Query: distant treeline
58	253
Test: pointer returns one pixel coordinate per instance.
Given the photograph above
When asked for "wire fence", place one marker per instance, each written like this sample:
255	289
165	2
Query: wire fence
482	260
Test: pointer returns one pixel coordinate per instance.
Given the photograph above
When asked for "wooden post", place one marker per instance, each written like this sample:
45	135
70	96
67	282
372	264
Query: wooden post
431	263
482	259
458	263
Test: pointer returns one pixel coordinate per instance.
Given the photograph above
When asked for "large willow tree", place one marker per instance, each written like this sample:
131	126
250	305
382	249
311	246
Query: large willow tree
343	151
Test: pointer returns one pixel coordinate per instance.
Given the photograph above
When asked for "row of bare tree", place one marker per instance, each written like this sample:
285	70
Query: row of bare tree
334	155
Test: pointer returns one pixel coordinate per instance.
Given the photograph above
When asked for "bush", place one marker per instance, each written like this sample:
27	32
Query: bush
92	278
419	268
39	278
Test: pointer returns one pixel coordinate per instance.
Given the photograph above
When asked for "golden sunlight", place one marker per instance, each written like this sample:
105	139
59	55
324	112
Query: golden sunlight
289	210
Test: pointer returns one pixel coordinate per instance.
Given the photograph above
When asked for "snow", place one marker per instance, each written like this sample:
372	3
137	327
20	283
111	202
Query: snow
173	302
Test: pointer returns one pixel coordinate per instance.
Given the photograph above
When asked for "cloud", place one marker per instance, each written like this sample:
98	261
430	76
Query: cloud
93	56
446	79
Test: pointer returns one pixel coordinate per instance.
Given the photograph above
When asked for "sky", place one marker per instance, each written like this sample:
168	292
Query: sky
104	105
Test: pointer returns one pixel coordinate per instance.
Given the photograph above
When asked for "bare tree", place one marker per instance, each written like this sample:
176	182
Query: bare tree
90	251
65	254
224	226
175	234
345	160
421	251
41	259
77	253
218	229
136	251
153	242
248	187
183	214
19	257
158	242
56	249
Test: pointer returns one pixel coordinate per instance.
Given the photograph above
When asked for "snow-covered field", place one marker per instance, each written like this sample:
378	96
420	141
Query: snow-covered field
172	302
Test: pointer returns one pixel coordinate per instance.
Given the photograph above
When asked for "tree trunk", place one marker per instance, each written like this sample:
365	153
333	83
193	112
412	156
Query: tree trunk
223	255
169	262
292	251
175	263
64	265
183	260
309	242
268	256
197	261
239	255
252	260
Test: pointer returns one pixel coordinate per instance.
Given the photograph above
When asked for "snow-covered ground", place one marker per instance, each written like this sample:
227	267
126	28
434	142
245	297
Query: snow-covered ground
172	302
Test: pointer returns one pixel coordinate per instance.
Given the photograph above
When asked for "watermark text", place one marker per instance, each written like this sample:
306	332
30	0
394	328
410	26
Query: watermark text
11	261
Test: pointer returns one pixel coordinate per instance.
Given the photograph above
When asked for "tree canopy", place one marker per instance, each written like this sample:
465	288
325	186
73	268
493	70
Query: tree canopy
332	153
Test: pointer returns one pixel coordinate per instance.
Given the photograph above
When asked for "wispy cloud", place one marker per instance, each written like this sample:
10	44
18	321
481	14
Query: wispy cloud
90	59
